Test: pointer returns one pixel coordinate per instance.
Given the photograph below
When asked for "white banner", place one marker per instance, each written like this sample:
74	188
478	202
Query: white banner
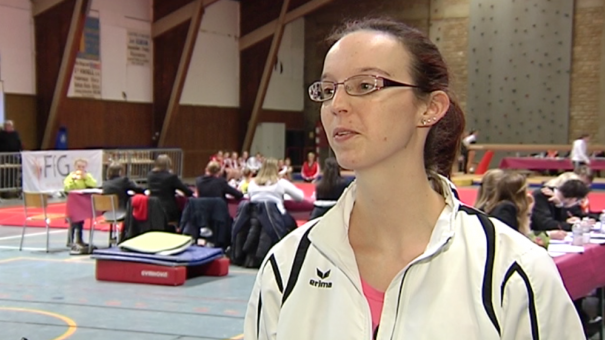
139	48
44	171
86	81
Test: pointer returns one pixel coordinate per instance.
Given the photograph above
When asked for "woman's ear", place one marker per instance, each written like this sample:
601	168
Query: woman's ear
436	107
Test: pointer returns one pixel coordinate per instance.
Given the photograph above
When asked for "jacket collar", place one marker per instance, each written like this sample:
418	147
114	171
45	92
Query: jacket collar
330	234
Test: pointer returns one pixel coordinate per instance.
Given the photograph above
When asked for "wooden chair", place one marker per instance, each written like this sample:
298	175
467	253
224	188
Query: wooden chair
107	204
37	200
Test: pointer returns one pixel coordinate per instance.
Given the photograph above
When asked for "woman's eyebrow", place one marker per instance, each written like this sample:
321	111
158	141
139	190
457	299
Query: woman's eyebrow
374	69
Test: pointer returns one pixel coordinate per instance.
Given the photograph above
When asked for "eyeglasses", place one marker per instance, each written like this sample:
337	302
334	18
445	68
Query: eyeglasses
359	85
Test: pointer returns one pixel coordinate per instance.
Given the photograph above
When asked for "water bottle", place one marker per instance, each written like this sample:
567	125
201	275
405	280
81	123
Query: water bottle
586	228
577	234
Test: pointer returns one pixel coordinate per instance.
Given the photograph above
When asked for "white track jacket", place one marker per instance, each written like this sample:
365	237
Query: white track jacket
477	280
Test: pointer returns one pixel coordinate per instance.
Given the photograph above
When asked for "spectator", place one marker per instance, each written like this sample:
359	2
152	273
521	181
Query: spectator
310	169
328	189
579	151
9	138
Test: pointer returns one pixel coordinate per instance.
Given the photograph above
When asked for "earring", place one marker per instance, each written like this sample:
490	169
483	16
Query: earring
423	122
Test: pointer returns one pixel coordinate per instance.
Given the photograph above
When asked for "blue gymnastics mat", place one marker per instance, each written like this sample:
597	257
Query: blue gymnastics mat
193	256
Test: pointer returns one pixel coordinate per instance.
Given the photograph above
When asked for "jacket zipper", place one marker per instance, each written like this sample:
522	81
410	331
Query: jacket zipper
405	272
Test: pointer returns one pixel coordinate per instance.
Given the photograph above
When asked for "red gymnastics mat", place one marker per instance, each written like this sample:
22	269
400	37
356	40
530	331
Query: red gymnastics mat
15	215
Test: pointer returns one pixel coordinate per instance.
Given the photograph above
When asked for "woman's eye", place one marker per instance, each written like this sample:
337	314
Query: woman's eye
365	86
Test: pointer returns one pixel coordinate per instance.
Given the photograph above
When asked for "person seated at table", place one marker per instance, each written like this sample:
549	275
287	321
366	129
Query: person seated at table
163	184
328	189
247	176
583	209
77	180
119	185
510	203
549	211
268	187
214	185
487	189
310	169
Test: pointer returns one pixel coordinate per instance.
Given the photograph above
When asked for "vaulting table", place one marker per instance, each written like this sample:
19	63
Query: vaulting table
535	163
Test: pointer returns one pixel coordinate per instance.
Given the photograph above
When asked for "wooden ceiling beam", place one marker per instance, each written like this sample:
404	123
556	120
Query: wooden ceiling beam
267	30
41	6
278	32
181	74
177	17
70	51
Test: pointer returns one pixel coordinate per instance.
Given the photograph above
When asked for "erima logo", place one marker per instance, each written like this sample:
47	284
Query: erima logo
153	273
322	276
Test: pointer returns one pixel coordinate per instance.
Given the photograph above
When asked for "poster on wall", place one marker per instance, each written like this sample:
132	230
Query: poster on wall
139	48
86	77
44	171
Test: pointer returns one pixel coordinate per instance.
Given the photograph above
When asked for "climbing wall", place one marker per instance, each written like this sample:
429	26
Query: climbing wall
519	63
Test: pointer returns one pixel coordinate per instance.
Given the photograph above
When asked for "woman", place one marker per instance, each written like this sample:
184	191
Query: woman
267	186
163	184
401	259
511	204
310	169
213	185
77	180
487	190
328	189
118	184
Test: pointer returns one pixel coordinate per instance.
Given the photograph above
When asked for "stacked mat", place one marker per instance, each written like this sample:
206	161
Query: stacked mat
158	258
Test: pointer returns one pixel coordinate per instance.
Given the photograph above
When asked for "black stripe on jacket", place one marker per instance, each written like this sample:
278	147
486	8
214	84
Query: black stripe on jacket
299	259
488	272
515	268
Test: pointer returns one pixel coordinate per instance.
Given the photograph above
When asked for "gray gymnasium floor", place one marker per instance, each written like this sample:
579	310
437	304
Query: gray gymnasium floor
55	296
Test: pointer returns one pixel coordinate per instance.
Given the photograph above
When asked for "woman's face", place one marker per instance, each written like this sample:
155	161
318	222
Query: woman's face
379	125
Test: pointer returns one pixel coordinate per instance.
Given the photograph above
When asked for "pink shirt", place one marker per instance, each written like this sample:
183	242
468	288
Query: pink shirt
375	300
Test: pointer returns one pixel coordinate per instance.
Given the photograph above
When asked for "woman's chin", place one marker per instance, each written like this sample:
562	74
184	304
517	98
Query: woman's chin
350	162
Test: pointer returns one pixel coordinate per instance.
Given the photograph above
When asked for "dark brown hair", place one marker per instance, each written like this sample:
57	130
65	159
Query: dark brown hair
114	170
429	72
330	178
162	163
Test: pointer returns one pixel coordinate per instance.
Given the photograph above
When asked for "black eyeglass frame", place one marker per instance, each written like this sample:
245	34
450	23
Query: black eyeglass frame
386	82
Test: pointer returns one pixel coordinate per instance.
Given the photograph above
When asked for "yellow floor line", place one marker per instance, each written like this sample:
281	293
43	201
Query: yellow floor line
71	324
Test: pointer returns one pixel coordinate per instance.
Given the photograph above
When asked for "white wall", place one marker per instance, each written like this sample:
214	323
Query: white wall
213	77
116	18
286	89
17	58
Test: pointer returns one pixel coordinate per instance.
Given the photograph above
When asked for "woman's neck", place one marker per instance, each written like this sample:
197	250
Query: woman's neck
395	207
